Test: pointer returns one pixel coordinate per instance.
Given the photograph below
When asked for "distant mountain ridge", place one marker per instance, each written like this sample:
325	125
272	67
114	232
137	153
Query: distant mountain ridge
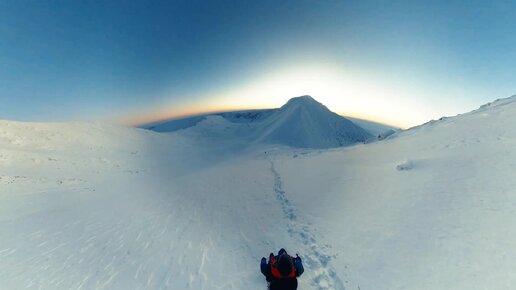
302	122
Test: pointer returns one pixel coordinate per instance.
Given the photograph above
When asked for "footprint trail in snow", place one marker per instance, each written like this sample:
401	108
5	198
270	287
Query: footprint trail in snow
315	259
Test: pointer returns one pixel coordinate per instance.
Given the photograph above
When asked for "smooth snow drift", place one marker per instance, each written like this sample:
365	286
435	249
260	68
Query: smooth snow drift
95	206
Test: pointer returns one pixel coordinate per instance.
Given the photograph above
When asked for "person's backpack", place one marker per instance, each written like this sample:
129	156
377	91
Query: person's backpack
282	267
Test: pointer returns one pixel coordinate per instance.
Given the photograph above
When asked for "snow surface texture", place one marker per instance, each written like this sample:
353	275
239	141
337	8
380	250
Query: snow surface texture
302	122
95	206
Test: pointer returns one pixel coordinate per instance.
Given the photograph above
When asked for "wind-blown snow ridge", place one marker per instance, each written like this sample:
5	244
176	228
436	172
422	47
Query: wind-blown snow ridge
489	109
499	102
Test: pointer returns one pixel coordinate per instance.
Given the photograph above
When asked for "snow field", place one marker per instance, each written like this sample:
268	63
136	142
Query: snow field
164	212
445	222
95	206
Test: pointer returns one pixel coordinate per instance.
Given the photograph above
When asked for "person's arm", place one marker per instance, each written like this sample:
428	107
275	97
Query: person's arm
265	268
298	265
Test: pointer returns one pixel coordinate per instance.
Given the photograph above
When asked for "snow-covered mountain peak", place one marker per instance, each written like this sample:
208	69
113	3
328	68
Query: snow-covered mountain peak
303	102
304	122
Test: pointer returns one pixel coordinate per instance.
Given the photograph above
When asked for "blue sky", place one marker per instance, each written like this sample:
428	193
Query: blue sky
399	62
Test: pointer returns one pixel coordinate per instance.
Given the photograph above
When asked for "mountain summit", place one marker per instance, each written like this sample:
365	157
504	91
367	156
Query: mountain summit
306	103
304	122
302	100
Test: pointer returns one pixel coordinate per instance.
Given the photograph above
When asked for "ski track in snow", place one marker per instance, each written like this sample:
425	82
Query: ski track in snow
316	261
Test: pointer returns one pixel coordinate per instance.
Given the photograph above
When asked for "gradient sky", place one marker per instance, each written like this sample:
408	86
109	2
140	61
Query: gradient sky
398	62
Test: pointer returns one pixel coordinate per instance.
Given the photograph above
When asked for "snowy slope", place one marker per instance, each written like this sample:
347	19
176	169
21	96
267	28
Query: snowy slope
92	206
96	206
175	125
374	128
248	116
431	208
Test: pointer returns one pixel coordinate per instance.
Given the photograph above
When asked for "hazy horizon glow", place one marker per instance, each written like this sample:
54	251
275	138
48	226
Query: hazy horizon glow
341	92
401	63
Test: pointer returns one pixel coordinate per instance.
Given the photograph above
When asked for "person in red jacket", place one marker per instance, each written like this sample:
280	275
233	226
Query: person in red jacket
281	271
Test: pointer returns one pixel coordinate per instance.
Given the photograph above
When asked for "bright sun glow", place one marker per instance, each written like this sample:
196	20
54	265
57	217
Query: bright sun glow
340	91
353	95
